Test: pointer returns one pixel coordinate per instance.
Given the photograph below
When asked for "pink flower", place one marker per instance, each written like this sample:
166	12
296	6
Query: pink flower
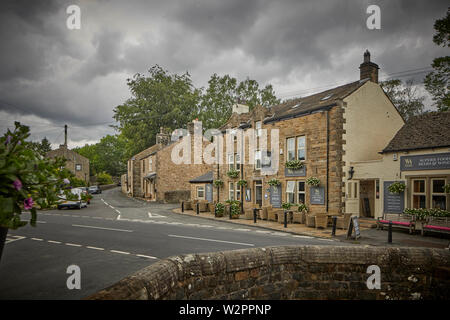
17	184
66	181
28	203
8	140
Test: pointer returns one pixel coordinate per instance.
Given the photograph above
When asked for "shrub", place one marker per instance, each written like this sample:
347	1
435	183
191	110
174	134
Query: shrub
104	178
220	209
422	214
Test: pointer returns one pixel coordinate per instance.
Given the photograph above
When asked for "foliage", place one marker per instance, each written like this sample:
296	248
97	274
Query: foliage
220	209
157	100
286	205
75	182
294	164
242	183
404	96
233	174
218	183
437	82
302	207
221	94
41	147
397	187
274	182
235	208
313	181
447	188
27	180
104	178
422	214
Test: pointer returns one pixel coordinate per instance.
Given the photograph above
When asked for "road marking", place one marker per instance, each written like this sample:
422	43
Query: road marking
37	239
121	252
155	215
73	244
213	240
144	256
303	237
263	231
111	229
10	239
282	234
41	222
94	248
52	241
242	229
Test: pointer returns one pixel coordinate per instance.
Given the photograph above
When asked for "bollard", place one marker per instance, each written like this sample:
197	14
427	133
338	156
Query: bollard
255	214
215	211
285	218
333	230
182	206
198	208
390	232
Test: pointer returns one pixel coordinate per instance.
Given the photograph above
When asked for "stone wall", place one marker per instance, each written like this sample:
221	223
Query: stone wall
72	160
177	196
291	272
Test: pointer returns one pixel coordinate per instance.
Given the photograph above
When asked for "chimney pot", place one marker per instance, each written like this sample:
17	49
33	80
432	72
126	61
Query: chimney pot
368	69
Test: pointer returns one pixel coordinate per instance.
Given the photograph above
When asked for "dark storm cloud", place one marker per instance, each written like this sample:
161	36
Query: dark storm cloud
78	77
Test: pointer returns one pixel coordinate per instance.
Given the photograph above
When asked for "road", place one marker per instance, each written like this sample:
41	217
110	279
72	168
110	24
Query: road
112	238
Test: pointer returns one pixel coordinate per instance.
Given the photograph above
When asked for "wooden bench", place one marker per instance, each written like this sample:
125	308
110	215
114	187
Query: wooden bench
436	224
399	220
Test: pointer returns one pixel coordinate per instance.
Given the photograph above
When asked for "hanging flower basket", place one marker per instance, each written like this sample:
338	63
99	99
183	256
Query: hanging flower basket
233	174
397	187
242	183
286	205
313	182
218	183
294	164
274	182
302	208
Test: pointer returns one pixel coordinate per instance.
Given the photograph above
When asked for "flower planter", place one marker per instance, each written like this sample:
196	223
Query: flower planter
299	217
310	220
203	206
3	233
234	216
264	213
321	221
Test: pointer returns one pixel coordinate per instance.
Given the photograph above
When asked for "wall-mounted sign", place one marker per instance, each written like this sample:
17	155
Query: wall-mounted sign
435	161
209	192
275	196
248	194
392	202
317	195
295	173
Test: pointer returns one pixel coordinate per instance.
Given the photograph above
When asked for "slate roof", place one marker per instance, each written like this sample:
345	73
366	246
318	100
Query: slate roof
207	177
430	130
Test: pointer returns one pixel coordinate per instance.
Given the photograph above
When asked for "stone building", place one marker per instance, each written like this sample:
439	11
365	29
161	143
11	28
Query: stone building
75	163
326	132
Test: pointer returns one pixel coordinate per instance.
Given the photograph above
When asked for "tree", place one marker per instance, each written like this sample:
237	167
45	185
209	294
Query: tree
158	100
41	147
437	82
404	96
223	92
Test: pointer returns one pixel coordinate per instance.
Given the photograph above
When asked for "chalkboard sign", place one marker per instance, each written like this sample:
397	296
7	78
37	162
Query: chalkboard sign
353	225
209	192
366	206
275	196
317	195
392	202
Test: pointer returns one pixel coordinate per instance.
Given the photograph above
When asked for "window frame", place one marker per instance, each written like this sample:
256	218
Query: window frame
203	190
433	193
414	193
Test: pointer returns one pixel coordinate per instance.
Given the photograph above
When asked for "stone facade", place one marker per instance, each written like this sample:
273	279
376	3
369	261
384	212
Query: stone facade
76	163
291	272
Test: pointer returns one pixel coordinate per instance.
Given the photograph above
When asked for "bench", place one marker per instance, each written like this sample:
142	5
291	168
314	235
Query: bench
436	224
399	220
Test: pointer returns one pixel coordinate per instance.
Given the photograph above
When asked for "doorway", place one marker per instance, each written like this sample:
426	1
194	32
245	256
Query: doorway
367	198
258	193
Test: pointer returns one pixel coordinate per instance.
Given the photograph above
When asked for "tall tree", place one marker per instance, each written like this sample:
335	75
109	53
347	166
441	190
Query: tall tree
158	100
41	147
437	82
404	96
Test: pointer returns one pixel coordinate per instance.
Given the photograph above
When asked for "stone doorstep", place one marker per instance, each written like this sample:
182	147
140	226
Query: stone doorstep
296	229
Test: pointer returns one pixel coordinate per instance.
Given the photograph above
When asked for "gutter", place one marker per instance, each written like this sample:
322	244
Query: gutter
301	114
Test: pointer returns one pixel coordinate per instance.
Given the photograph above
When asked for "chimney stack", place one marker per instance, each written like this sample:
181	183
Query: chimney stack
65	135
368	70
162	138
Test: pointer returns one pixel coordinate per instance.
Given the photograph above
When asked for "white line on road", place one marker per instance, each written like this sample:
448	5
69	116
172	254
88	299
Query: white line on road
94	248
213	240
111	229
37	239
41	221
121	252
52	241
144	256
72	244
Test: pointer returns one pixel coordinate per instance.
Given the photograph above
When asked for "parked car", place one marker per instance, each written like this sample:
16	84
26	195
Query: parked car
94	190
77	204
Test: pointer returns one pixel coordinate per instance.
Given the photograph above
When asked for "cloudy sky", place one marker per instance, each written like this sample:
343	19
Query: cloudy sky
51	75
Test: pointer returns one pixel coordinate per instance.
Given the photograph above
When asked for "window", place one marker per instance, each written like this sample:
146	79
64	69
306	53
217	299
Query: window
234	162
200	192
238	193
78	167
438	197
290	195
266	161
150	164
419	198
237	157
230	162
258	126
301	192
258	159
231	191
295	191
296	148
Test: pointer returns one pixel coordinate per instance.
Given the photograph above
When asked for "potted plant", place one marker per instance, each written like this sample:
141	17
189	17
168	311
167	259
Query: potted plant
274	182
397	187
220	209
27	180
235	209
302	211
313	182
233	174
286	206
321	221
294	164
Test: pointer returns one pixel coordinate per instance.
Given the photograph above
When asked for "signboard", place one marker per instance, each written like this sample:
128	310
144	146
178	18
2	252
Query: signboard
295	173
353	225
317	195
209	192
437	161
275	196
248	194
392	202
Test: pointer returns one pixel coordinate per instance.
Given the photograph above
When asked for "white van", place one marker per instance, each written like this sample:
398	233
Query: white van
77	204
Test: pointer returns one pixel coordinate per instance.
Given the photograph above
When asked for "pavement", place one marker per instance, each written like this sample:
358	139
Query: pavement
112	238
369	236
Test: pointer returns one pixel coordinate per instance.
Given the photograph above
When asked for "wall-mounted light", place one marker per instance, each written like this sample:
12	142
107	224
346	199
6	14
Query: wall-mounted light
350	173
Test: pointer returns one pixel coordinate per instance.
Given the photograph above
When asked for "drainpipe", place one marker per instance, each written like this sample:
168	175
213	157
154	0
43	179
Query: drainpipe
328	154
